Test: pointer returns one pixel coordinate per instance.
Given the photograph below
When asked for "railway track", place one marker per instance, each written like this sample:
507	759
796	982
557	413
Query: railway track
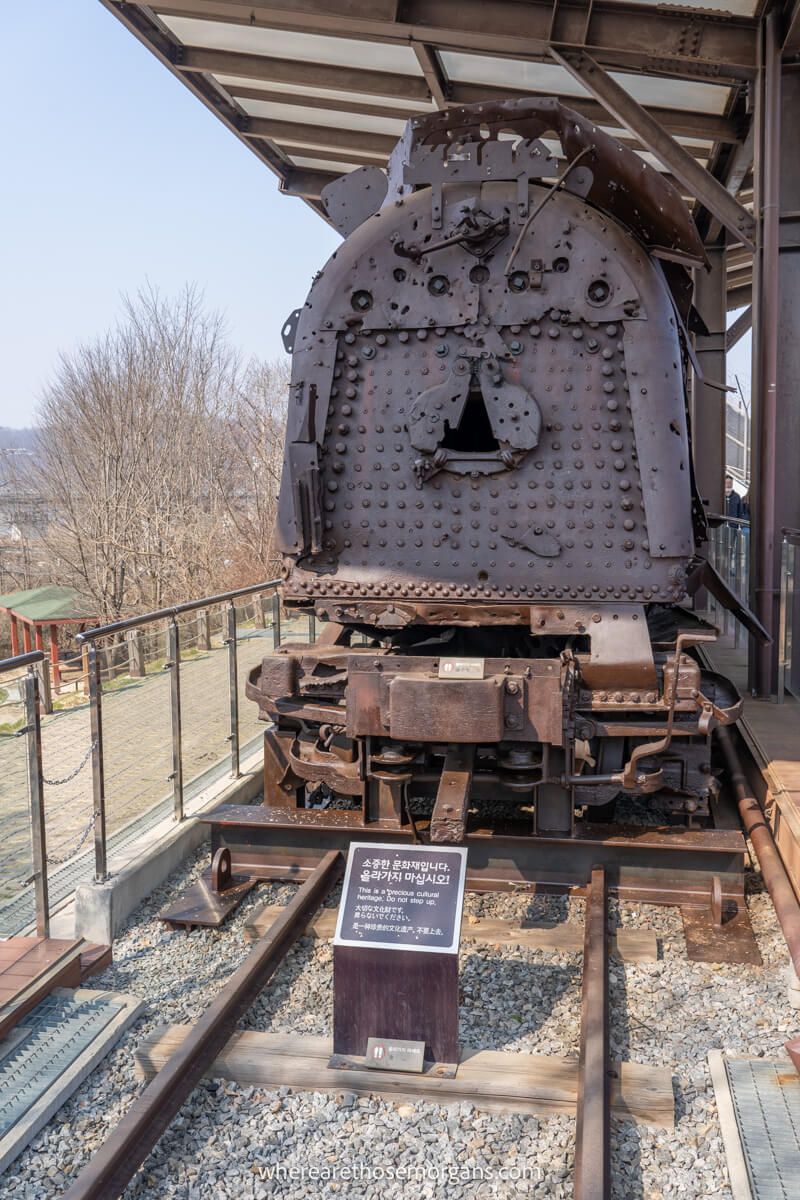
118	1160
151	1114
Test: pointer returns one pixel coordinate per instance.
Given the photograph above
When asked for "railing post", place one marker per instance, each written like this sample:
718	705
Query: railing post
737	579
98	775
276	619
204	629
233	686
728	574
36	799
45	693
783	621
173	665
136	667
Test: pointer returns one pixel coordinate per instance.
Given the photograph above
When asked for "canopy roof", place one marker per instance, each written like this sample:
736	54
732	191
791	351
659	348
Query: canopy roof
316	88
48	605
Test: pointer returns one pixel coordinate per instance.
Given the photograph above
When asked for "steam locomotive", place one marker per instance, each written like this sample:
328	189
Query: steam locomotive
488	492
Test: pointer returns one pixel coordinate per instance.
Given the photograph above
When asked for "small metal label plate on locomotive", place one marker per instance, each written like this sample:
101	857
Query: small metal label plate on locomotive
462	668
402	898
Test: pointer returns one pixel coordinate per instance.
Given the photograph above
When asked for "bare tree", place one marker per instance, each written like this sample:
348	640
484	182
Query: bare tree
131	434
250	469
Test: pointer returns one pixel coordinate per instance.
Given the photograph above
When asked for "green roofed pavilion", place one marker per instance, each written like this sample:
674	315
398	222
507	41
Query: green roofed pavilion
44	607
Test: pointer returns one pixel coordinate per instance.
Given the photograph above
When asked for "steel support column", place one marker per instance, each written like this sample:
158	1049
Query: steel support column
708	423
775	488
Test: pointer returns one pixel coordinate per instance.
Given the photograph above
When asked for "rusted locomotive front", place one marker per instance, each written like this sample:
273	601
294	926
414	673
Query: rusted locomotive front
488	490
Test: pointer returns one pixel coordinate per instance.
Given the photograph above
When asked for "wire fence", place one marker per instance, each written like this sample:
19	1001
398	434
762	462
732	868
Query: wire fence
157	710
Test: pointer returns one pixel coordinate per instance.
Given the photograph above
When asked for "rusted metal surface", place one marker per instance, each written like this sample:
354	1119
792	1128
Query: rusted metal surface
757	828
669	865
593	1126
449	817
118	1159
212	898
488	487
731	940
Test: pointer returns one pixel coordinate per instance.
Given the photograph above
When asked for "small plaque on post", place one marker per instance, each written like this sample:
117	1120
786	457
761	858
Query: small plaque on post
395	950
395	1054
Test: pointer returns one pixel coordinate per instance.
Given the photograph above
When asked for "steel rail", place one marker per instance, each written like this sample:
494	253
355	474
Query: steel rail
121	1155
163	614
593	1125
21	660
782	894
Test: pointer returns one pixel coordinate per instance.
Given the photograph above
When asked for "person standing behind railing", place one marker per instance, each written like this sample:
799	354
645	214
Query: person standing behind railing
735	506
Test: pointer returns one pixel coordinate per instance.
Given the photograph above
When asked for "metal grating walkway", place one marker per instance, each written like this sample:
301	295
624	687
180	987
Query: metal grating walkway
766	1101
52	1037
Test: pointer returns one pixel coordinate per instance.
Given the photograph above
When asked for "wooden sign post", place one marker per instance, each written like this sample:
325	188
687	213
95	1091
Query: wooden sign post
395	951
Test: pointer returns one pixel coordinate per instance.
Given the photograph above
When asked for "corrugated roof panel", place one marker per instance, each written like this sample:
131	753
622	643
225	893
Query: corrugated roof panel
261	85
304	47
552	79
320	164
275	111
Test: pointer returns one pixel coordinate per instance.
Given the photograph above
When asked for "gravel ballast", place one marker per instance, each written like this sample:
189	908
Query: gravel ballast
229	1141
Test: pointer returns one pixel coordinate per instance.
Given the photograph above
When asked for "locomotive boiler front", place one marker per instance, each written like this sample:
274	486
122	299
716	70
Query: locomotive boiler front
488	493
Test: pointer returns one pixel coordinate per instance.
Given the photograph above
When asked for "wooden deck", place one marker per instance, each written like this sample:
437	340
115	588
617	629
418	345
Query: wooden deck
30	967
772	733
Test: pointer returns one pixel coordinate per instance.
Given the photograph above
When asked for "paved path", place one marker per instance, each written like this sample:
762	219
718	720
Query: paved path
137	742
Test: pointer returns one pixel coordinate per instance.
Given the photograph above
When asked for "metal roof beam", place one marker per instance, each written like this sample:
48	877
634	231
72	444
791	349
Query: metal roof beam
357	157
306	182
739	164
327	137
739	297
791	38
708	190
742	325
341	104
346	105
693	44
431	67
684	124
738	277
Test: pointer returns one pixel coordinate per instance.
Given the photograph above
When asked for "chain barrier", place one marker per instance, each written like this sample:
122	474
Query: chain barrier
72	774
58	860
54	860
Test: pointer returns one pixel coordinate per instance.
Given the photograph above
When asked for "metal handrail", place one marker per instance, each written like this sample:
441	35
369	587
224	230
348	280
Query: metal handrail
175	610
790	534
21	660
91	639
32	665
726	520
32	732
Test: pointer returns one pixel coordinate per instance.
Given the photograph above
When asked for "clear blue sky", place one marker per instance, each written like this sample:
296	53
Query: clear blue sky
114	174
